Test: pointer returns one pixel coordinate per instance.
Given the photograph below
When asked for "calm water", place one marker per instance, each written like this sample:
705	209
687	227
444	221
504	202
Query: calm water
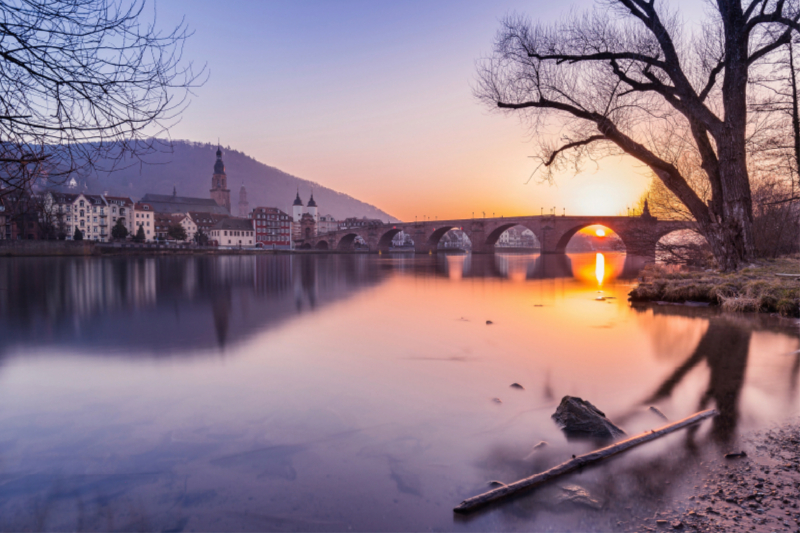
354	392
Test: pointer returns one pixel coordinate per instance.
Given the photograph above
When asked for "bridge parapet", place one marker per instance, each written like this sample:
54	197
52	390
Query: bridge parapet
640	234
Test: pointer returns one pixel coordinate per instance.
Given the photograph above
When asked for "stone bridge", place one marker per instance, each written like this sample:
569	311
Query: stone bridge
639	234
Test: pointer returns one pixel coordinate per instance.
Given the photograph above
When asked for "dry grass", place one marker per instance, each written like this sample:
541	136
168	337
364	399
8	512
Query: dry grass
755	288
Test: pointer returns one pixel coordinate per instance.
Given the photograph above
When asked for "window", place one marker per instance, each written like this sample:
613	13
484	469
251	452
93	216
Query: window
81	203
82	212
121	211
114	210
82	223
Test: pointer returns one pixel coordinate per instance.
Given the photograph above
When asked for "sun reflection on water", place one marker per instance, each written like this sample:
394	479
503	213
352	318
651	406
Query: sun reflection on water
600	268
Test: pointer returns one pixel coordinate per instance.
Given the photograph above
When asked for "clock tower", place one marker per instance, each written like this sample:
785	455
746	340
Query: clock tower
219	184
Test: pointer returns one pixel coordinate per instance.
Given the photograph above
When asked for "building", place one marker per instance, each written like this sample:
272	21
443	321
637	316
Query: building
233	232
204	222
304	219
326	224
66	212
219	184
165	203
121	209
353	222
244	206
144	217
163	221
273	228
307	227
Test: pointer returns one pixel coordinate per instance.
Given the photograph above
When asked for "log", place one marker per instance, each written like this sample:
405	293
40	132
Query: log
575	463
789	275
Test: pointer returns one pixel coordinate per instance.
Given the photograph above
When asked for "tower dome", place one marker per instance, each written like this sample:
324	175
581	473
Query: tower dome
219	166
311	202
297	200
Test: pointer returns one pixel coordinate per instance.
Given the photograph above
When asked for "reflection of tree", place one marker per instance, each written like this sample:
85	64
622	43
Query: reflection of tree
724	347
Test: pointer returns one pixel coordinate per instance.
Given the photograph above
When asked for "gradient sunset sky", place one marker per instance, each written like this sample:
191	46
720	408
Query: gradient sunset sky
374	99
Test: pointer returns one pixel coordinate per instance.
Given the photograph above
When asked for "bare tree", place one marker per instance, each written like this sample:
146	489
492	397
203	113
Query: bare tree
627	79
84	81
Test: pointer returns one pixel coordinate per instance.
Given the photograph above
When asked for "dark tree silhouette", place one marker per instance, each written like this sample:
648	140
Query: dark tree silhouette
78	236
83	81
628	78
119	231
177	232
139	237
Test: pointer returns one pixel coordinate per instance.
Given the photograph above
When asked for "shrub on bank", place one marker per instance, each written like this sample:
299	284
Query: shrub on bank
756	288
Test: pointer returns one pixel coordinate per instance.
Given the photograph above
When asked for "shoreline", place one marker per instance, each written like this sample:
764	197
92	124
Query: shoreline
757	492
771	286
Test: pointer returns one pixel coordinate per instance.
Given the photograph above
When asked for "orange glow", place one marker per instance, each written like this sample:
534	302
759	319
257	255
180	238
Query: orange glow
600	232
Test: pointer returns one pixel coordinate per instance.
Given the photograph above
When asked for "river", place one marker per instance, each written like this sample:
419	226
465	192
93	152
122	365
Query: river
356	392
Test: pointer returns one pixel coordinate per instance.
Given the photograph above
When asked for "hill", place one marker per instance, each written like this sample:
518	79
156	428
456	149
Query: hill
188	167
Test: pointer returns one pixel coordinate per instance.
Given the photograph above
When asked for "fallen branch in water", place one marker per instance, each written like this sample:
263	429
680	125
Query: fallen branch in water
473	503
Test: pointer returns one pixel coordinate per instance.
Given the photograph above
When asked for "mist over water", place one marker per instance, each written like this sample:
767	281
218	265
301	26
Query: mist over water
335	392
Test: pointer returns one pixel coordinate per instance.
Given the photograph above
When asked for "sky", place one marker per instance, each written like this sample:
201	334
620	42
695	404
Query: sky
375	99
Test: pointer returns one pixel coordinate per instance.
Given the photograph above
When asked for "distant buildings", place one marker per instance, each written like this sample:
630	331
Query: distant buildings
57	215
273	228
233	232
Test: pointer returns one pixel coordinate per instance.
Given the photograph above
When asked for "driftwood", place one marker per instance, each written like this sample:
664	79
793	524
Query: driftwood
575	463
789	275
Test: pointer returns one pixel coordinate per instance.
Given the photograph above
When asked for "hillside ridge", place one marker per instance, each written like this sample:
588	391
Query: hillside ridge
188	167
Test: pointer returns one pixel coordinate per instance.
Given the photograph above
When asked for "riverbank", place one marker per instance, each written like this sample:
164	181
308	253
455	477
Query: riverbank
759	491
771	286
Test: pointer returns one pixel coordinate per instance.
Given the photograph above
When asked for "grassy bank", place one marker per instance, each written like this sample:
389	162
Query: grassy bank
756	288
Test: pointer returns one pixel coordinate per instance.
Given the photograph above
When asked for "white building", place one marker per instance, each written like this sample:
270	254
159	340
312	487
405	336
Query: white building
144	217
88	213
233	232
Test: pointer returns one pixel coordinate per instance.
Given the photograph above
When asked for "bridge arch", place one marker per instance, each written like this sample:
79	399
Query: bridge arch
305	246
322	245
348	240
435	240
513	231
563	240
385	241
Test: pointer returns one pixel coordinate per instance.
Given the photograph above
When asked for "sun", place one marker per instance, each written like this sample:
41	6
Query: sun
600	232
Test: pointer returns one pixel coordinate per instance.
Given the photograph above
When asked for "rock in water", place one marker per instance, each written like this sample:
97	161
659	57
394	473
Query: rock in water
577	495
517	386
580	419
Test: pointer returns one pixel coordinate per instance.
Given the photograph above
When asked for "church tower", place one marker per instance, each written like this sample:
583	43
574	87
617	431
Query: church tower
244	207
312	208
219	184
297	209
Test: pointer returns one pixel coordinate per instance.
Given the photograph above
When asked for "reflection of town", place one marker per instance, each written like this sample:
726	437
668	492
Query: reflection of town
169	304
166	304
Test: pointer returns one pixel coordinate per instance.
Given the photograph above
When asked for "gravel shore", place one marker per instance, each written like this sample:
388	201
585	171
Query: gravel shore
757	492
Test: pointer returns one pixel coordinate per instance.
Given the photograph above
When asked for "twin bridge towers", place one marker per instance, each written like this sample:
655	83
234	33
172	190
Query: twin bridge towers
639	233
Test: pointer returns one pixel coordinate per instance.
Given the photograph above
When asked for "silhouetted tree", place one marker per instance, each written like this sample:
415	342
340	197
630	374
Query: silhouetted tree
139	237
177	232
200	237
119	231
81	81
78	235
628	79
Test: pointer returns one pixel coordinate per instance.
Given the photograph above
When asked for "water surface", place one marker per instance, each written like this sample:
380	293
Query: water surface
339	392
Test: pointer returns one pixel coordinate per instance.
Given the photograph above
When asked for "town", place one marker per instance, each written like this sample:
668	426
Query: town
166	219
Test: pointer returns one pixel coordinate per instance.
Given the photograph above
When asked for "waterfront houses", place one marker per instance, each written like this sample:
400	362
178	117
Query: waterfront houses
233	233
273	228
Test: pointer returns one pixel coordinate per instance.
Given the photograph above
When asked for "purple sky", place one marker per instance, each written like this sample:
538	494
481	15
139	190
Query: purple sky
374	99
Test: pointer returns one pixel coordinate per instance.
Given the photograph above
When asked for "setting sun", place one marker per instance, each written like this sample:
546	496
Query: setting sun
600	232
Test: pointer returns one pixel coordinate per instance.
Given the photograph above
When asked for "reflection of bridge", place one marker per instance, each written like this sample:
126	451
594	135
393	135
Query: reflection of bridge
640	234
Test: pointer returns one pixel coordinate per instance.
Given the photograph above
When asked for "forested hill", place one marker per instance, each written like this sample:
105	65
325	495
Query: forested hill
188	167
